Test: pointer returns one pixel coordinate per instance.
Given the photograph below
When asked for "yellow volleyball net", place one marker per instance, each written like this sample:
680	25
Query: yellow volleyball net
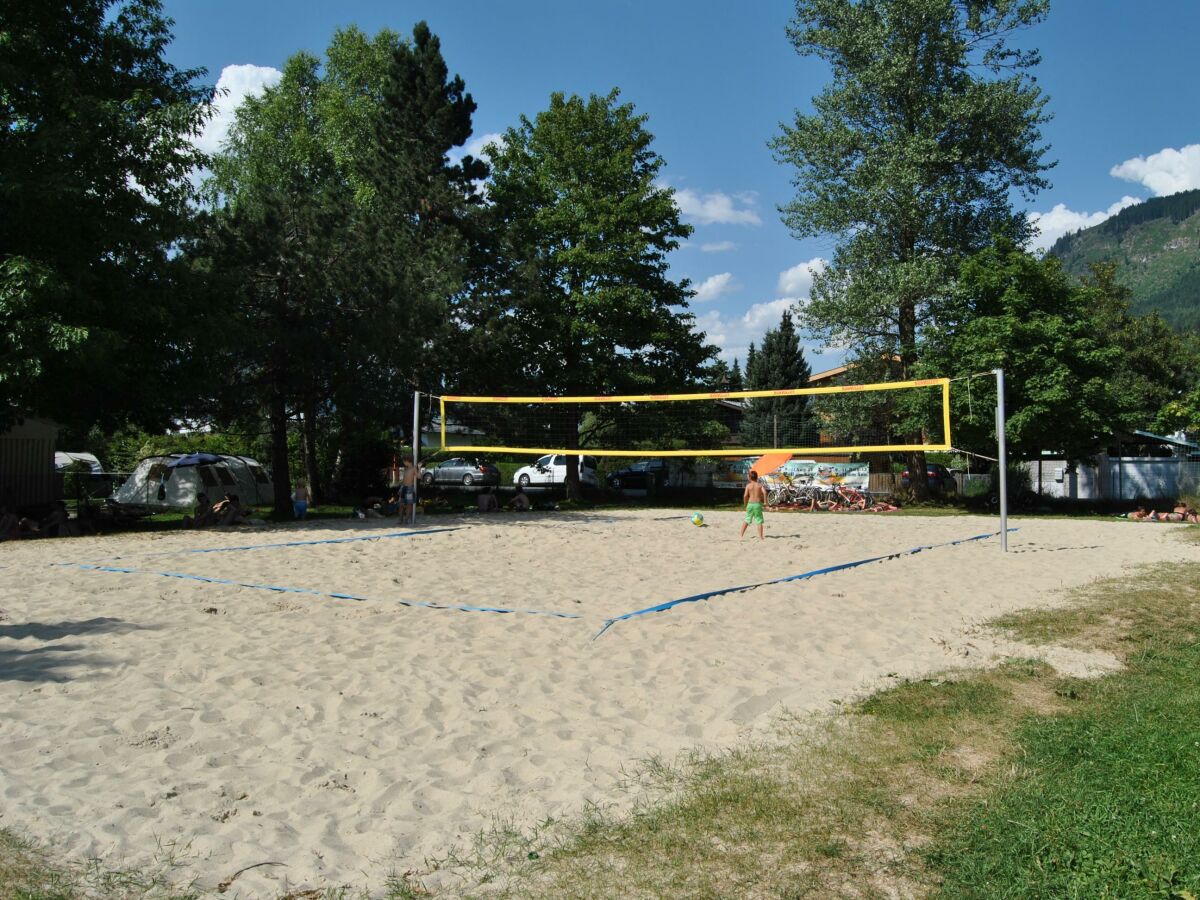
853	418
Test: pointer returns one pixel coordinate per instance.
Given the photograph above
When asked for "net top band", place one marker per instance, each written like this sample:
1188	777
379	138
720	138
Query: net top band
711	395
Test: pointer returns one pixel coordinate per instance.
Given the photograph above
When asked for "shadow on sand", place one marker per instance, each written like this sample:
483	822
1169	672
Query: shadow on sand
52	663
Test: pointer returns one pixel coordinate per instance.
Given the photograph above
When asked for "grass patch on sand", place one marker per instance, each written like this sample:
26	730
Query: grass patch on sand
30	871
1008	782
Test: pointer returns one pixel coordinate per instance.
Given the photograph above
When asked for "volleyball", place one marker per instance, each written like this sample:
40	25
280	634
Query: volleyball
697	519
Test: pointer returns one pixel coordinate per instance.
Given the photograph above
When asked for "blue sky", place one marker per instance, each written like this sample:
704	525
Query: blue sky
717	78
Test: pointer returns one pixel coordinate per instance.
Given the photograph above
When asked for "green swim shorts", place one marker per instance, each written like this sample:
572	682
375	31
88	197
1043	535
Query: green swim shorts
754	514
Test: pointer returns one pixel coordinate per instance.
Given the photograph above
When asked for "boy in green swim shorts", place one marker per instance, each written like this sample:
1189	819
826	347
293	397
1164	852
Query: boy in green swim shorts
754	497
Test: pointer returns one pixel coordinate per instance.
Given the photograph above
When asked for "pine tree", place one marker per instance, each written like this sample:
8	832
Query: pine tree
779	365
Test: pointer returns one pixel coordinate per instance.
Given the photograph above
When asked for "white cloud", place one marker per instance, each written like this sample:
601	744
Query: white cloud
476	146
235	85
717	208
718	247
713	287
797	281
734	333
1168	171
1052	225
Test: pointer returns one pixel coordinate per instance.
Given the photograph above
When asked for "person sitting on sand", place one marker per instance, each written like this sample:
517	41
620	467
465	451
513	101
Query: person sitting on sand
488	501
10	525
229	511
520	501
204	513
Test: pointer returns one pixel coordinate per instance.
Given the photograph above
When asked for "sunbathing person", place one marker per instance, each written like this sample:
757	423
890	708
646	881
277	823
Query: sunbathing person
57	523
851	500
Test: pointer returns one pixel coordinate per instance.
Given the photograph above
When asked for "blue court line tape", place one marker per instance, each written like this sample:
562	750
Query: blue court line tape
462	607
347	540
662	607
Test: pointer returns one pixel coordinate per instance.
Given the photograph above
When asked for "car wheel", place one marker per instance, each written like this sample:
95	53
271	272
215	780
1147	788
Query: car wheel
427	479
468	480
523	481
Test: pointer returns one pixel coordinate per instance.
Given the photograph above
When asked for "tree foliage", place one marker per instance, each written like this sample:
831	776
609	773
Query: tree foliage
778	365
576	298
337	231
1013	311
95	154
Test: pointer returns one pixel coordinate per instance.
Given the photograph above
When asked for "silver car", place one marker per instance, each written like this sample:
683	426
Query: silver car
459	470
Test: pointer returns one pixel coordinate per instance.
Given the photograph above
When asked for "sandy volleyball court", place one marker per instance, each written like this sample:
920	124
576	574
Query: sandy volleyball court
347	738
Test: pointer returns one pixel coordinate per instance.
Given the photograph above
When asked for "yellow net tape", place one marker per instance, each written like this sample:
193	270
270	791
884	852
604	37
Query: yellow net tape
460	417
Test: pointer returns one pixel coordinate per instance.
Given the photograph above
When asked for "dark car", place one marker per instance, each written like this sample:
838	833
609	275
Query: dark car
643	475
460	470
940	479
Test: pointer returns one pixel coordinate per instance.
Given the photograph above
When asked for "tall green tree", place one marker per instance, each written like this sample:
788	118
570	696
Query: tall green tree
578	299
910	157
337	227
778	365
95	153
1013	311
1159	366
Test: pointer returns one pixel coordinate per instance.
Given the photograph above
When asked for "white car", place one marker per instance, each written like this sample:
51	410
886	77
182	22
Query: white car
552	469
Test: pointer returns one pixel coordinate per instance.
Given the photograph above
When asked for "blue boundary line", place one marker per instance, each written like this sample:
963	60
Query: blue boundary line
346	540
662	607
462	607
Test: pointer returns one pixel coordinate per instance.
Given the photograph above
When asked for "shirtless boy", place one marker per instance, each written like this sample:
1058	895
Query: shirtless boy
408	492
754	497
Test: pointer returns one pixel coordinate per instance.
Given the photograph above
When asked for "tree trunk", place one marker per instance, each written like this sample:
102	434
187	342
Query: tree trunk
308	436
280	475
574	492
918	483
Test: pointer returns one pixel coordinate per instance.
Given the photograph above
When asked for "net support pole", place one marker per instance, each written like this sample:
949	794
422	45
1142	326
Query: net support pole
1002	455
416	441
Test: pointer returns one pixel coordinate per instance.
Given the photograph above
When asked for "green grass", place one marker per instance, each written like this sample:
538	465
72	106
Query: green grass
29	871
1108	802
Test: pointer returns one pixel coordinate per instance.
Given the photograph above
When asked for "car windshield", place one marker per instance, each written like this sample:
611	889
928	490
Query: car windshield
641	466
544	461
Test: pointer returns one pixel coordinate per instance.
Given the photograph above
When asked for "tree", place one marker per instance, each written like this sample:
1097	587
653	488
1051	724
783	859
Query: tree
577	299
910	157
1013	311
1159	366
335	226
95	153
778	365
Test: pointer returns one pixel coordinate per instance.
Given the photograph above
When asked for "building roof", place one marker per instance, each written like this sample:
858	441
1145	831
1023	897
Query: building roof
1173	441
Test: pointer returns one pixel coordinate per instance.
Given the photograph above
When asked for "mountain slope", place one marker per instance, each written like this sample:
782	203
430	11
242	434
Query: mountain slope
1156	246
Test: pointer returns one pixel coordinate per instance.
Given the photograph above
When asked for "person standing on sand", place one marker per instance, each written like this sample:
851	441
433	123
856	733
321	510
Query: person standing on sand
301	497
408	492
754	497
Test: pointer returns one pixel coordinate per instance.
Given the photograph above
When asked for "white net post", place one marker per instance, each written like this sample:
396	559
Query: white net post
1003	458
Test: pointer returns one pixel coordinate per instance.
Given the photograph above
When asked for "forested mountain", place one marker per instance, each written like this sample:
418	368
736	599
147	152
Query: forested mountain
1156	246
